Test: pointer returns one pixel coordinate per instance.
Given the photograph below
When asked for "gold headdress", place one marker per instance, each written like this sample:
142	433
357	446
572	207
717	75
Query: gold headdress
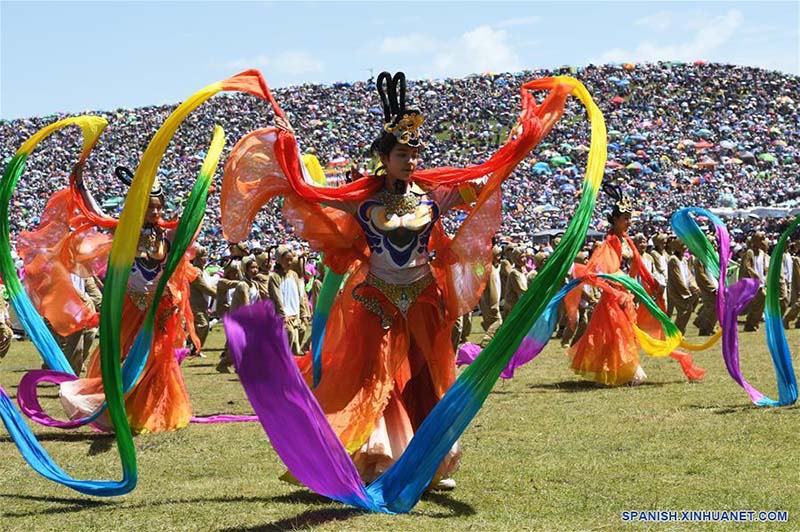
622	203
156	190
403	123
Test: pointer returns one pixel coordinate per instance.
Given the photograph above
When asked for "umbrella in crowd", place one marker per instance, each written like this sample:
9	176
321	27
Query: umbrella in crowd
663	120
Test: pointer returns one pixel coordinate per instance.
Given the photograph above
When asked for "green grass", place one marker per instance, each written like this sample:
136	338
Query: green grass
547	452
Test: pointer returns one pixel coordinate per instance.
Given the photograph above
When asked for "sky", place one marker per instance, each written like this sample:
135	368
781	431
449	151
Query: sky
77	56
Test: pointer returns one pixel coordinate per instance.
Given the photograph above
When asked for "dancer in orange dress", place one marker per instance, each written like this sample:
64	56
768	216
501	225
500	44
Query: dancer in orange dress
159	401
387	358
608	352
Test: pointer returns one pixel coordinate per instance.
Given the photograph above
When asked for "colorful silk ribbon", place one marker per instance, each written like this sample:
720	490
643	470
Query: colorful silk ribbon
322	308
134	363
732	300
115	286
115	378
91	128
249	81
542	331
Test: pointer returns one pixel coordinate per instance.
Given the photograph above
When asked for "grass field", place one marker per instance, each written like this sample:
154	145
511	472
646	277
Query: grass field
547	452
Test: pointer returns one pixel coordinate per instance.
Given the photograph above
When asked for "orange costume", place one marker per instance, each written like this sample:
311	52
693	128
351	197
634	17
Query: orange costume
159	401
68	240
387	357
608	352
401	317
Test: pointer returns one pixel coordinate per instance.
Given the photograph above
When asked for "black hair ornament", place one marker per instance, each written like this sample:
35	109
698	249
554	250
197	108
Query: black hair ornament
125	175
403	123
622	203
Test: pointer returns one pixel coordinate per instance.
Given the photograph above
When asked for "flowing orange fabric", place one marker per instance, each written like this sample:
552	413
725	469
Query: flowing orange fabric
67	241
266	163
413	359
646	321
63	243
608	352
159	401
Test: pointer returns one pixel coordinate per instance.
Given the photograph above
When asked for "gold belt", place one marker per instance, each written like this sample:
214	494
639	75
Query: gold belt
401	296
140	299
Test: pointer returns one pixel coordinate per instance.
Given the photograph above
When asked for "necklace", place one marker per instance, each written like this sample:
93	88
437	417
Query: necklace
149	243
399	204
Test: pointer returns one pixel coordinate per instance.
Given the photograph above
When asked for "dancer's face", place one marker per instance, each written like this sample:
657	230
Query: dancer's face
154	209
401	162
622	223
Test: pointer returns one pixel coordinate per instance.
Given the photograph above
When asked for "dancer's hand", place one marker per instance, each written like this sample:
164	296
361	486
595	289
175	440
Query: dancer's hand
282	123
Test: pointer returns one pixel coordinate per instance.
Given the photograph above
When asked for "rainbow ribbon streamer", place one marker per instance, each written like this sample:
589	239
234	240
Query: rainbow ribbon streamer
119	263
25	440
322	309
137	358
91	128
541	332
134	363
732	300
296	425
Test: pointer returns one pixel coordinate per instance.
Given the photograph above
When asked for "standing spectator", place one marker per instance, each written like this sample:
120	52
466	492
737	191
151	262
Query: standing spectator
754	266
505	270
231	277
462	328
490	301
285	292
785	290
316	284
92	287
201	293
660	258
793	312
262	278
6	334
641	245
517	283
78	346
299	267
590	295
248	290
707	314
681	287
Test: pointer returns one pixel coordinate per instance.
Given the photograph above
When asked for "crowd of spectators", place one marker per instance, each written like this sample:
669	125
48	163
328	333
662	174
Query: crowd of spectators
707	135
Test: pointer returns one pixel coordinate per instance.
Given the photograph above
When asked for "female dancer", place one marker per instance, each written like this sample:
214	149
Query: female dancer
387	358
608	352
159	401
70	238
